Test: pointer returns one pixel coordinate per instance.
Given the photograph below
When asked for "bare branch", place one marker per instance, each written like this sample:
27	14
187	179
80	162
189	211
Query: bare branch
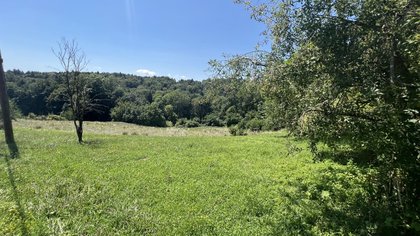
73	61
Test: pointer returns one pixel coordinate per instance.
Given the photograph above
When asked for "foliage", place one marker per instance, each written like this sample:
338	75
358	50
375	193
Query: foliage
170	114
213	120
214	102
255	124
55	117
188	123
14	111
346	74
235	130
180	102
148	114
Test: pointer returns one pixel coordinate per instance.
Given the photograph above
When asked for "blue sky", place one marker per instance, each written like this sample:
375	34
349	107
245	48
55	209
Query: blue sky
155	37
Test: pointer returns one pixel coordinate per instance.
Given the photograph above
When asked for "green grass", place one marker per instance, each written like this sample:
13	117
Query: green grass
188	185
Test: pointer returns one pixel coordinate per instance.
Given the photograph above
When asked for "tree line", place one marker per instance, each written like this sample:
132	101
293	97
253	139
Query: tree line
152	101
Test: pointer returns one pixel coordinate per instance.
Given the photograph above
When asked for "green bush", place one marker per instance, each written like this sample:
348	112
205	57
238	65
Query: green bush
187	123
67	114
236	131
255	124
36	117
242	124
192	124
213	120
55	117
31	116
149	115
181	122
232	119
170	115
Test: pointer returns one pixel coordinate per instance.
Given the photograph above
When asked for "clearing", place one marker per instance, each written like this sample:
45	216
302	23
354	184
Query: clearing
156	181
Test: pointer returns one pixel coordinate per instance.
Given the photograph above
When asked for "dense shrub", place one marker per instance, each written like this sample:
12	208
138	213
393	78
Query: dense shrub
192	124
181	122
255	124
236	131
187	123
149	115
32	116
67	114
55	117
232	116
213	120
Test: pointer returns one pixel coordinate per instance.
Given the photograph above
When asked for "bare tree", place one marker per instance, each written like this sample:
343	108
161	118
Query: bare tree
75	85
5	108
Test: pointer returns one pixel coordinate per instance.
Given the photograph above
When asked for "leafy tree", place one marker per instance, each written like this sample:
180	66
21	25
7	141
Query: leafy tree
31	93
153	115
180	101
234	92
170	114
346	74
104	94
200	107
148	114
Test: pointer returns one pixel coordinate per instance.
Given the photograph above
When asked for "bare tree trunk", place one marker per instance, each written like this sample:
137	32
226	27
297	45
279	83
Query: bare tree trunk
73	62
7	121
80	131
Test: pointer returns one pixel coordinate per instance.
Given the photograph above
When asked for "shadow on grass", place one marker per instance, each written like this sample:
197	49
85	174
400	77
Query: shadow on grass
13	150
14	153
16	197
350	201
334	201
361	158
93	143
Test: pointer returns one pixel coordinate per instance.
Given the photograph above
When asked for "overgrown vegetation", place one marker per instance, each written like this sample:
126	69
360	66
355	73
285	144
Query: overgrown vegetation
345	74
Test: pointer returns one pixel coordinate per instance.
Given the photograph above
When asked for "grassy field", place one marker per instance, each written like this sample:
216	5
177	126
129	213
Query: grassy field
197	183
119	128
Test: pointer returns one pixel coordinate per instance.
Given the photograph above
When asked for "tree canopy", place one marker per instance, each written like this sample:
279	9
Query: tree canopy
346	74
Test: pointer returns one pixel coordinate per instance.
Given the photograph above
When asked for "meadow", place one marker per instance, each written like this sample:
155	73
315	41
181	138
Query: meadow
132	180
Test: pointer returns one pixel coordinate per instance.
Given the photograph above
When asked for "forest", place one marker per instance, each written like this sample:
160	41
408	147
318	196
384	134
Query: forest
150	101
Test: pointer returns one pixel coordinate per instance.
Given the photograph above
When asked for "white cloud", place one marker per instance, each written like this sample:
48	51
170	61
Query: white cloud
179	77
145	72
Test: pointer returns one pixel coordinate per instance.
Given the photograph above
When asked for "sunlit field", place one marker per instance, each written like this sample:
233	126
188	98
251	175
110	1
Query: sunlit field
120	128
172	182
